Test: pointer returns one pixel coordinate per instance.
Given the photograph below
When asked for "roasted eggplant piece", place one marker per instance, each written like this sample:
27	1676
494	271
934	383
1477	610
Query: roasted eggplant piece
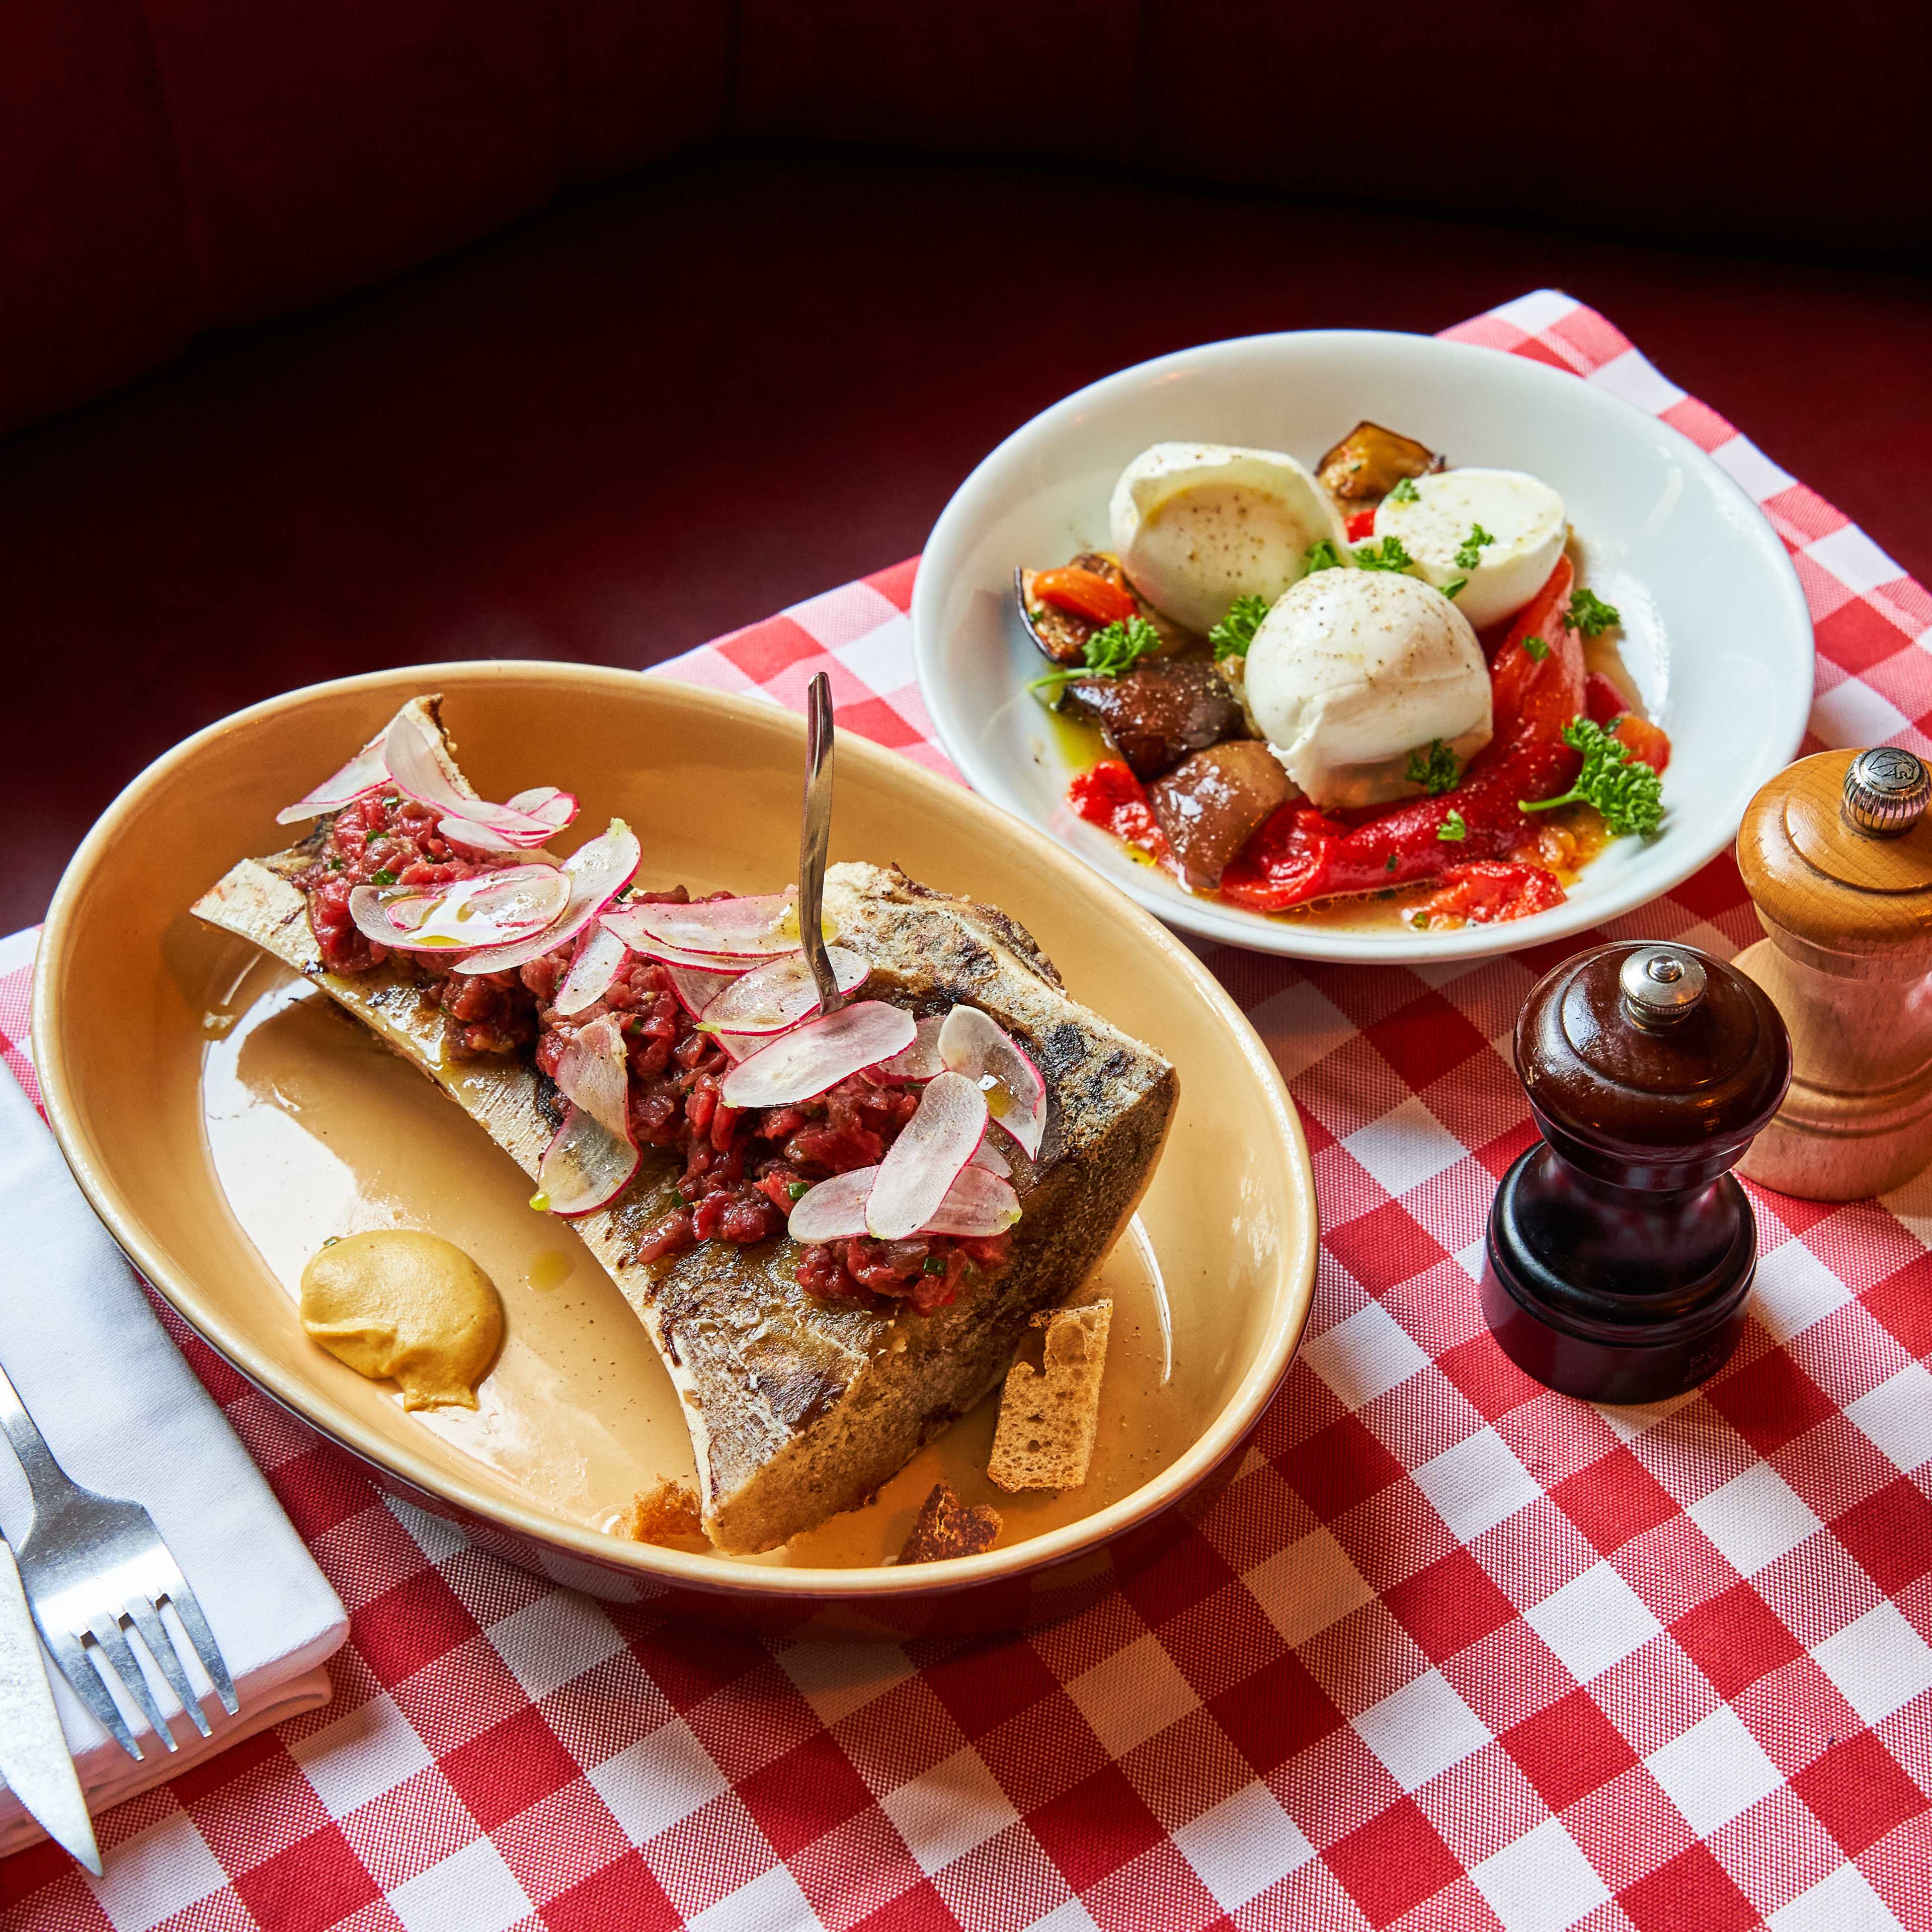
1370	461
1154	715
1211	804
1060	636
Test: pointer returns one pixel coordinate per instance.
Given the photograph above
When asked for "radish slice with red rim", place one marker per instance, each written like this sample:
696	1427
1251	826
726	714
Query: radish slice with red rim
591	972
926	1159
696	989
988	1156
974	1045
779	994
803	1063
414	765
595	871
555	808
488	909
595	1074
755	927
834	1211
363	772
978	1204
586	1167
920	1060
623	920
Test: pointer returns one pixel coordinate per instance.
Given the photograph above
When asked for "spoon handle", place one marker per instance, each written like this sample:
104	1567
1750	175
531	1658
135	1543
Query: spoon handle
814	834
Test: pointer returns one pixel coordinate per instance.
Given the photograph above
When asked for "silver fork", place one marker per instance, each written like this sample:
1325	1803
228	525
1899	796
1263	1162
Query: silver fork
91	1564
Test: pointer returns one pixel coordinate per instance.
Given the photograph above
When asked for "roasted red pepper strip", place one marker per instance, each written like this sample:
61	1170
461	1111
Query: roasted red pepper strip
1360	525
1085	593
1535	693
1489	891
1110	796
1602	700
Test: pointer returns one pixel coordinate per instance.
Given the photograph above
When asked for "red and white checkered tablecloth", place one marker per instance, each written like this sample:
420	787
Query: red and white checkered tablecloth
1450	1651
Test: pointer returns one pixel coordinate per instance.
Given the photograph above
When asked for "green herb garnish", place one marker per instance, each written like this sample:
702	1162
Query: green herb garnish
384	877
1455	586
1454	829
1470	554
1590	615
1404	492
933	1264
796	1190
1235	632
334	863
1321	555
1538	649
1113	649
1433	767
1390	866
1389	554
1629	795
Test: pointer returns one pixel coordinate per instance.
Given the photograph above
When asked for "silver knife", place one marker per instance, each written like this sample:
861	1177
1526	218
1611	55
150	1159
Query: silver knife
33	1756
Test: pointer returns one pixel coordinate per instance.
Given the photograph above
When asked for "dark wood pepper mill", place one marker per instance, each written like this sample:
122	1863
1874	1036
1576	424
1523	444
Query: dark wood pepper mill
1621	1248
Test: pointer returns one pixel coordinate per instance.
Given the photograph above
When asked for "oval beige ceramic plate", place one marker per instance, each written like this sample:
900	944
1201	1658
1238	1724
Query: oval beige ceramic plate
224	1118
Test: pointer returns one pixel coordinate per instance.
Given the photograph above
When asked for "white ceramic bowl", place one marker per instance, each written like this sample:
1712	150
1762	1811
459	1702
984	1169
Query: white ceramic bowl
1715	629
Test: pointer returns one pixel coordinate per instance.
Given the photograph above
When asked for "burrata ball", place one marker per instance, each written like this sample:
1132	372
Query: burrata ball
1353	670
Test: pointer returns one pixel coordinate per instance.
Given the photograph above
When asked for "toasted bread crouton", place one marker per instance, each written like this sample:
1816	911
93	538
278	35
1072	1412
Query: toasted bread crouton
665	1514
1047	1416
946	1527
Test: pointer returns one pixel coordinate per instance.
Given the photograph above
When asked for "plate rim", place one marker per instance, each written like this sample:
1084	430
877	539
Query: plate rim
703	1572
1207	919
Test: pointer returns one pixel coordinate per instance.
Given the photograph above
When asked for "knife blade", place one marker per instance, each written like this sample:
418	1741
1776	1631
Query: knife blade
33	1757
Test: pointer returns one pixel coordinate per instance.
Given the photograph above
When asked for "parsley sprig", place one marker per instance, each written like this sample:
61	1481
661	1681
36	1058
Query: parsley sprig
1454	829
1321	555
1405	492
1235	632
1535	648
1629	795
1470	552
1433	767
1388	554
1111	649
1590	615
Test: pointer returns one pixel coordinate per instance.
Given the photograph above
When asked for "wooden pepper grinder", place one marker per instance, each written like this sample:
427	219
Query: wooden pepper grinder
1621	1248
1837	851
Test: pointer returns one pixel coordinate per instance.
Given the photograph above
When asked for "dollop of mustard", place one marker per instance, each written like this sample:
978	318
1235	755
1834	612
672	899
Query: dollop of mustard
398	1305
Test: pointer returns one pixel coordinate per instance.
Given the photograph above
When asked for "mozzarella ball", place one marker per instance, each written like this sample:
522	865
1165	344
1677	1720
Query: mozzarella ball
1451	511
1196	525
1353	670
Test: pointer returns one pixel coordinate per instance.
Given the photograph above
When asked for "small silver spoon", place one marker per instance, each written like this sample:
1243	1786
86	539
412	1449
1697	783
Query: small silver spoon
813	834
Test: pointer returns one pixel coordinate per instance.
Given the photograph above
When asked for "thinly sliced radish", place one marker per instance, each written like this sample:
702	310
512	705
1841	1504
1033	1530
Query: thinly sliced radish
920	1060
819	1055
973	1044
978	1204
779	994
594	1074
988	1156
595	872
926	1159
834	1211
623	920
697	989
585	1167
754	928
489	910
412	763
555	808
739	1046
363	772
479	837
591	972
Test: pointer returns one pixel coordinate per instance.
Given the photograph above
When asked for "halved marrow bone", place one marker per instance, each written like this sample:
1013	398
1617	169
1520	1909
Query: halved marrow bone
798	1408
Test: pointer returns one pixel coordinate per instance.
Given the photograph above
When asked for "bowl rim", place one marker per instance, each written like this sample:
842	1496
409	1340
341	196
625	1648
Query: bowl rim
1228	925
696	1571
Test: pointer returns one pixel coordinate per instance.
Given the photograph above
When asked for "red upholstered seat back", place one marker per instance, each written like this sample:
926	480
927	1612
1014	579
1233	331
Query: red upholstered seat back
168	166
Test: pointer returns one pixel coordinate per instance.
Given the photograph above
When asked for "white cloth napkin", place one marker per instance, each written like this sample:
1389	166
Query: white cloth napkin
124	1415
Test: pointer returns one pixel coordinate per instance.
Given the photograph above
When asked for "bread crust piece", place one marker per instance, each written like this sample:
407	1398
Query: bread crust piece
798	1408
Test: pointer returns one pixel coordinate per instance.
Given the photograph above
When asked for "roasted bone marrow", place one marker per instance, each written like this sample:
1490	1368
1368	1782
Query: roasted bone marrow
808	1371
